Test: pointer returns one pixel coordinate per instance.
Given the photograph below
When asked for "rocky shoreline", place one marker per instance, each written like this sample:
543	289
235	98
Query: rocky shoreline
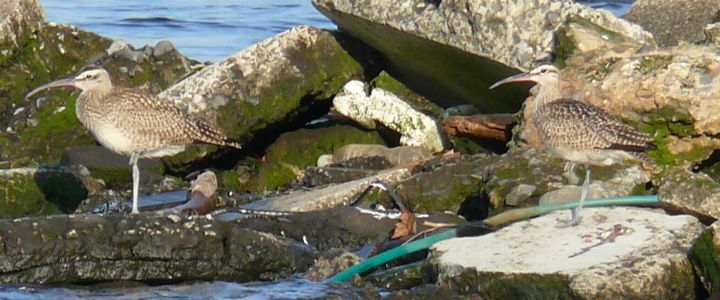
398	94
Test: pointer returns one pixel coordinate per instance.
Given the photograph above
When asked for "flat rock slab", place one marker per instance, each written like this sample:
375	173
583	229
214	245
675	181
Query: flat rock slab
146	247
620	252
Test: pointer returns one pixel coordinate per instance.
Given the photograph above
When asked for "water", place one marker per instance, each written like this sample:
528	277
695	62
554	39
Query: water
206	30
203	30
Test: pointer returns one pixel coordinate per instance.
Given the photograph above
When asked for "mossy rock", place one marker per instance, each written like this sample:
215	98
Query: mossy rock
287	158
448	186
43	127
46	192
705	258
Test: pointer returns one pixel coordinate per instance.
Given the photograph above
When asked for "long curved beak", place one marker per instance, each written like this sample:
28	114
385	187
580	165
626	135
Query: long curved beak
522	77
68	82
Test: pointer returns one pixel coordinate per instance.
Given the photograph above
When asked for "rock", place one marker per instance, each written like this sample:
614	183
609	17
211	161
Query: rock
500	175
415	128
331	263
519	194
613	253
712	34
113	168
672	21
39	191
622	182
690	193
145	247
705	257
455	185
18	20
403	277
401	155
330	175
324	198
286	159
388	83
46	125
283	78
117	46
667	93
580	35
163	47
452	50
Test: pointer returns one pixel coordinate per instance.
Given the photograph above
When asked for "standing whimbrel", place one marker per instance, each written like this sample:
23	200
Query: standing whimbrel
579	132
134	123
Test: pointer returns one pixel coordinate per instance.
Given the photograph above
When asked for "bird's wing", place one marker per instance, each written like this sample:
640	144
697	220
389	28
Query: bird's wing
170	125
153	122
578	125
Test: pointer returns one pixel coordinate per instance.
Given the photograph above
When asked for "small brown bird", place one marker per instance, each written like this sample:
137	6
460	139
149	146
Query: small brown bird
579	132
134	123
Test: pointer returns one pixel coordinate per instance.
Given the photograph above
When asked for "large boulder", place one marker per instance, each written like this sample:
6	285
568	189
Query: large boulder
614	253
144	247
285	78
453	50
673	21
18	20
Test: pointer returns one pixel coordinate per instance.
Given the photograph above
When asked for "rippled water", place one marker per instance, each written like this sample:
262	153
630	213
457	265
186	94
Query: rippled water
208	29
203	30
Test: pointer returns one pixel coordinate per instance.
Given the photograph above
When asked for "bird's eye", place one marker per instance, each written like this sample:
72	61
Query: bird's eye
543	71
88	76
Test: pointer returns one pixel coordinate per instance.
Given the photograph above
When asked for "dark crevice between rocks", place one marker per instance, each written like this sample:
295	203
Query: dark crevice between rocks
475	207
710	165
431	69
61	190
367	57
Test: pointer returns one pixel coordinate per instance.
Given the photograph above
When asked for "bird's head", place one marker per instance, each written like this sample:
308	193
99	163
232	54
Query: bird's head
543	74
88	79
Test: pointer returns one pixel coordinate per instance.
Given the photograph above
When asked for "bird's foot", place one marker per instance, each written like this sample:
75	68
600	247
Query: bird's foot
574	221
568	223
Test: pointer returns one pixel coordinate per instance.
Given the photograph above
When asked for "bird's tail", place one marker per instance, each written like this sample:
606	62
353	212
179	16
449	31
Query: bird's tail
205	133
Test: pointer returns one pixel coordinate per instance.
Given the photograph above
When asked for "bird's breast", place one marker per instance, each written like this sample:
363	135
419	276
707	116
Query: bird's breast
113	139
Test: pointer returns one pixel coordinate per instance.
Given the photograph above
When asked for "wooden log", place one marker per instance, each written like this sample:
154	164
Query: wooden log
492	126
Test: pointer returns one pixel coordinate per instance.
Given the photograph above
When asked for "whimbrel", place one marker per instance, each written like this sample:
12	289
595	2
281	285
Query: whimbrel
134	123
579	132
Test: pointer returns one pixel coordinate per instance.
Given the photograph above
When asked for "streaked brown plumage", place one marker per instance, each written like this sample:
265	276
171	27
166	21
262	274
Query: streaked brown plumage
579	132
133	122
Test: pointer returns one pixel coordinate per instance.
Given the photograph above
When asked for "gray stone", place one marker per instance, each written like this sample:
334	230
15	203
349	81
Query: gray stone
622	182
672	21
519	194
612	254
712	34
163	47
18	19
691	193
117	46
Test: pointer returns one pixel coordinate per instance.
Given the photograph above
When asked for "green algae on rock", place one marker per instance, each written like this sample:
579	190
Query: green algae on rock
42	128
705	257
286	159
39	191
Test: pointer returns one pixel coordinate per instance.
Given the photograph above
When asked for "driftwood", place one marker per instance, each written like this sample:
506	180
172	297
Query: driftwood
492	126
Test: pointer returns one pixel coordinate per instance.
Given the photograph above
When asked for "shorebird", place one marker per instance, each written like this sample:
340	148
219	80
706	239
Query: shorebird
134	123
577	131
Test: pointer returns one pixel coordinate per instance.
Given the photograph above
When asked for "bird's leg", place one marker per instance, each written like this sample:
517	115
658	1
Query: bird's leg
583	194
136	182
569	173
